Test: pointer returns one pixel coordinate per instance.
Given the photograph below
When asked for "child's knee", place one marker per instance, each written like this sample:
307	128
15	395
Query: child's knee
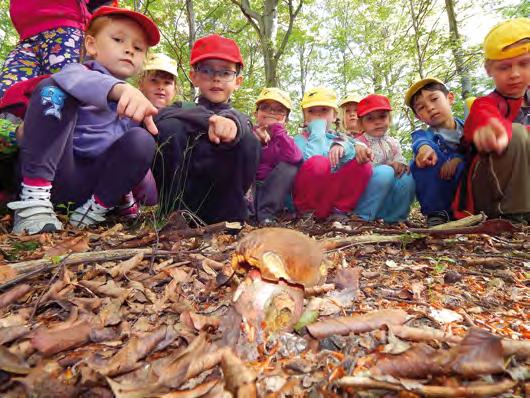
140	145
383	175
317	165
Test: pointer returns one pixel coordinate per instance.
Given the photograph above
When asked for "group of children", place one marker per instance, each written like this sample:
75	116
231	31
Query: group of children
94	140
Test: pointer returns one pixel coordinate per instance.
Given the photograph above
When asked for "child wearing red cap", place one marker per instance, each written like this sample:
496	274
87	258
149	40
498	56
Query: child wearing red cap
497	179
390	191
82	142
208	152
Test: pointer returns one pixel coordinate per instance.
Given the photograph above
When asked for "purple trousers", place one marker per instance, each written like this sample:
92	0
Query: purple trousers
47	152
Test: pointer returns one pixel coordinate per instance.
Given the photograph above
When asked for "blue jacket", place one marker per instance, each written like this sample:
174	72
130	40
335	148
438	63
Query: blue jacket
435	140
98	125
315	140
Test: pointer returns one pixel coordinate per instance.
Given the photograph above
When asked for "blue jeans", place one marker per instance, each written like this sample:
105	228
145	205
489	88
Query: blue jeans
387	197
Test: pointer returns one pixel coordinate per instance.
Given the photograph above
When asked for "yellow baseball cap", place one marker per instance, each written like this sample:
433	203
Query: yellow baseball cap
497	43
275	94
353	97
158	61
418	86
319	96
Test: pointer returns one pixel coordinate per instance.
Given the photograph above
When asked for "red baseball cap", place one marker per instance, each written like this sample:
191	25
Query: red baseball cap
215	46
373	102
149	27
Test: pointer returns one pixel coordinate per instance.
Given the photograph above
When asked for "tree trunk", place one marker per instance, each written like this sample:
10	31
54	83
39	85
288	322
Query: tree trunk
192	34
456	46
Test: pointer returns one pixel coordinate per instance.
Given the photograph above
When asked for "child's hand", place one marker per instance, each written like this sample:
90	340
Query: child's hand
426	157
221	129
262	134
335	153
448	169
491	138
399	168
133	104
363	154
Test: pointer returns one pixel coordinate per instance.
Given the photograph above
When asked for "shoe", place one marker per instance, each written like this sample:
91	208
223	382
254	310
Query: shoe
91	213
129	207
34	217
438	218
34	211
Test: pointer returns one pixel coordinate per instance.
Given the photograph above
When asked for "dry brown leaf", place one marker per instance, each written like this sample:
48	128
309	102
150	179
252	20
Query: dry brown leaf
196	392
357	324
52	341
127	358
239	379
11	363
110	314
416	363
14	294
11	333
122	268
77	244
110	288
7	273
479	353
348	278
198	321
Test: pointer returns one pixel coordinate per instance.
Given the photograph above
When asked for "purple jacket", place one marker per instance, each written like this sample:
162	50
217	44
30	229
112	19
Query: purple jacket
281	148
98	125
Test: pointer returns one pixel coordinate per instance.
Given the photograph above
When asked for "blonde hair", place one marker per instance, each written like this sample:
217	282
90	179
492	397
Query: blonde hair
342	117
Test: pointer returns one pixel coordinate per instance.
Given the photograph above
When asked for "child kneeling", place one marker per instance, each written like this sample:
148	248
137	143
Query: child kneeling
77	145
390	191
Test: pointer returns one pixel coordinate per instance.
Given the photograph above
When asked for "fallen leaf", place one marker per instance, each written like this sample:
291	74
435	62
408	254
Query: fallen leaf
7	273
239	379
357	324
52	341
11	363
77	244
122	268
445	316
348	278
10	333
14	294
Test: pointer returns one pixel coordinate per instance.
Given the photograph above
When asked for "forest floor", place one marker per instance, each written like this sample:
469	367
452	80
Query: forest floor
127	311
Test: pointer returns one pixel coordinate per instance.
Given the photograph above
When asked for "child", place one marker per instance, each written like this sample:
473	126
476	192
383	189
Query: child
158	82
348	114
438	156
330	179
497	181
208	153
51	33
390	191
280	156
75	134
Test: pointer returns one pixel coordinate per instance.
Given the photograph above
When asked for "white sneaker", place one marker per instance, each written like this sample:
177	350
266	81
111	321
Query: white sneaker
90	213
34	217
34	211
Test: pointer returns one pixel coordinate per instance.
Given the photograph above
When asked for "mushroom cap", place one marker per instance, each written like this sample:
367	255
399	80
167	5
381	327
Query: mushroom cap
282	253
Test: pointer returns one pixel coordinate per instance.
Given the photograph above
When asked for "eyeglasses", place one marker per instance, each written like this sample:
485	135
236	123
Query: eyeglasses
274	110
225	75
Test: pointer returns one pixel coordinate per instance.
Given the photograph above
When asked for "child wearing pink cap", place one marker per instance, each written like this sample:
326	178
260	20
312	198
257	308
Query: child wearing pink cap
390	191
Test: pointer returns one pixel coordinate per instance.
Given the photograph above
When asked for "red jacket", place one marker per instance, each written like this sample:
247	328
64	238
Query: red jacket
496	106
31	17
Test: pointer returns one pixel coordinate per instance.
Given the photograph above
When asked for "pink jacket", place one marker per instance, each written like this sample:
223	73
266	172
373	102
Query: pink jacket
31	17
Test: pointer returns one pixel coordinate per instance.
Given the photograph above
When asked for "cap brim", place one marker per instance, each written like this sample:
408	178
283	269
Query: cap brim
162	68
222	56
321	103
349	101
149	27
373	109
417	86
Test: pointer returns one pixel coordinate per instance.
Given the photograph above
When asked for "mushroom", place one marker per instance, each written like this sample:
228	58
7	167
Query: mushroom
281	263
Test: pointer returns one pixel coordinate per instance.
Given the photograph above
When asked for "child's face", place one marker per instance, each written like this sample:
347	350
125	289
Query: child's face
376	123
511	76
326	113
434	108
270	112
216	79
350	116
119	46
158	87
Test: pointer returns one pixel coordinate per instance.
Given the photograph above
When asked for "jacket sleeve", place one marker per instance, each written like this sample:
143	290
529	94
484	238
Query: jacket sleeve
317	143
349	149
421	137
88	86
482	110
286	148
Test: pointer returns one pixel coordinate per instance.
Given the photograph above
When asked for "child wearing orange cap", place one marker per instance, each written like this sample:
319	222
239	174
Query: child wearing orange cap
208	152
330	180
497	180
390	192
82	142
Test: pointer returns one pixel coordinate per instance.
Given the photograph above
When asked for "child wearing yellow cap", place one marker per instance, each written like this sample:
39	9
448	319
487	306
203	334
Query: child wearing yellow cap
498	177
280	156
349	121
330	179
